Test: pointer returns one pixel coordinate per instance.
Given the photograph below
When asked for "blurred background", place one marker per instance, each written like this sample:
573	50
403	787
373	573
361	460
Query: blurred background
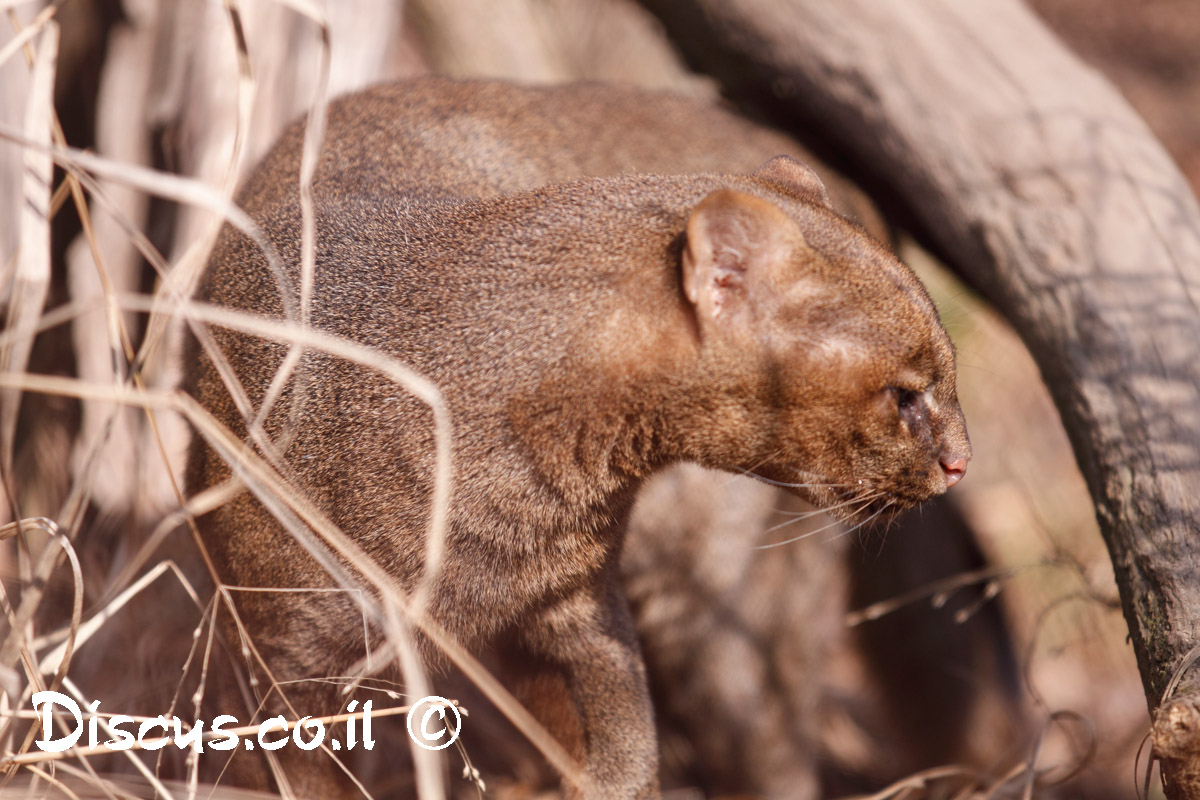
177	88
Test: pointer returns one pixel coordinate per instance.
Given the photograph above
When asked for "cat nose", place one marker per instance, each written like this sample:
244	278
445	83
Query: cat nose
955	467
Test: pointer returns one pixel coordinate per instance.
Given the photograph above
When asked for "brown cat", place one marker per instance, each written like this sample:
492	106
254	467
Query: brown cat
585	335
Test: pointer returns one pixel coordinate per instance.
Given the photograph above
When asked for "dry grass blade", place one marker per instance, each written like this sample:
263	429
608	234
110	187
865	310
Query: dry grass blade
1185	664
1086	756
195	506
32	280
57	784
8	6
308	9
314	137
70	782
25	36
939	591
189	268
83	632
923	780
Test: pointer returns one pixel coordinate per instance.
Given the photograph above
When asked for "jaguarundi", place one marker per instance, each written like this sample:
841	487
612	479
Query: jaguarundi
585	333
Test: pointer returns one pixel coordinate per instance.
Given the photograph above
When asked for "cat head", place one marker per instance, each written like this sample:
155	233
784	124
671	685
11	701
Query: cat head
830	369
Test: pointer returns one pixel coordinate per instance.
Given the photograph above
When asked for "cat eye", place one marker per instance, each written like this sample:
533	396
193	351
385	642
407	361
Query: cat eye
909	403
907	399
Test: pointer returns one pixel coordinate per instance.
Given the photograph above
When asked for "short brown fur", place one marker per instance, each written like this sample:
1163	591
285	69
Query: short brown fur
585	334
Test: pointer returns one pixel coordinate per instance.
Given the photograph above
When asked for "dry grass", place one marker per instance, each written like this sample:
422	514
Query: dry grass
45	663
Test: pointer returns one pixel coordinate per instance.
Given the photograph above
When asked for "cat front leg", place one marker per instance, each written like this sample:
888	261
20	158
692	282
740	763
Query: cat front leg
591	691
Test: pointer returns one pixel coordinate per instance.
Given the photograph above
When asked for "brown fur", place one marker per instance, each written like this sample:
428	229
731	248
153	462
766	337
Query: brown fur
585	335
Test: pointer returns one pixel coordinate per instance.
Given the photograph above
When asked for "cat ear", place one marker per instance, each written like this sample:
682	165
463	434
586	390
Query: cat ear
733	242
794	177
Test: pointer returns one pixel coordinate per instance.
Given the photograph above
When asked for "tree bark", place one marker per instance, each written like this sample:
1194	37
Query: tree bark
1033	178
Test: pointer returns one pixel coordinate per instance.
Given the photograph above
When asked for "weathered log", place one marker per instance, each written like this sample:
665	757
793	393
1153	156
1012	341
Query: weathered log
1033	178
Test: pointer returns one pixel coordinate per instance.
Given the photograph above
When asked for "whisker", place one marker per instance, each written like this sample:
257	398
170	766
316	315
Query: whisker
866	521
794	539
846	502
862	502
797	516
799	471
749	473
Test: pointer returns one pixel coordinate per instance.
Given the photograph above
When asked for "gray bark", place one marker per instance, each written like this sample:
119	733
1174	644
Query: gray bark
1035	180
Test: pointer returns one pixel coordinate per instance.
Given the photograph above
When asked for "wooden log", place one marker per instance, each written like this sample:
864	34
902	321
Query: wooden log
1034	179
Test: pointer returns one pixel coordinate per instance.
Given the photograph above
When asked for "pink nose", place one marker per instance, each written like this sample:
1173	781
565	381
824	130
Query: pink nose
954	467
